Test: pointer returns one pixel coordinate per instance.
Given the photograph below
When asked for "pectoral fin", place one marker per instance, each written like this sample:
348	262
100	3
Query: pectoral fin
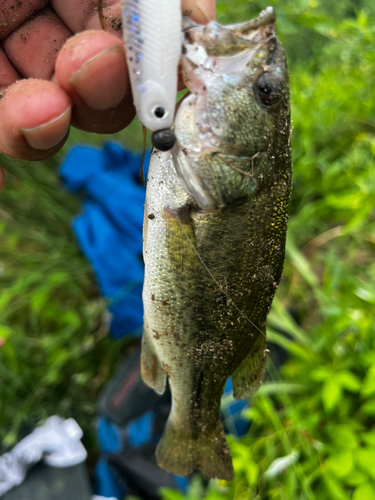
181	239
152	372
248	377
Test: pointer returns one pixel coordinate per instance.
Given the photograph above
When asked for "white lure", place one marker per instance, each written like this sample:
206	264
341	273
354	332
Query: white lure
152	33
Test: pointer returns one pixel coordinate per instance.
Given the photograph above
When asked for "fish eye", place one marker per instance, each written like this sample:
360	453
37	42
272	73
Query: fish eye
268	88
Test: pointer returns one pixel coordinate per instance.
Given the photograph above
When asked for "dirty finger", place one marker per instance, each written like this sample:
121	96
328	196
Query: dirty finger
92	69
201	11
35	119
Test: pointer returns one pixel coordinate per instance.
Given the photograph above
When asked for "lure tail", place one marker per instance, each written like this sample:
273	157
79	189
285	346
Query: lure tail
182	452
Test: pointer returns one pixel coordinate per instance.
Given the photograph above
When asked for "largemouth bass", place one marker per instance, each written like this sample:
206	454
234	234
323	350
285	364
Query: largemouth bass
214	235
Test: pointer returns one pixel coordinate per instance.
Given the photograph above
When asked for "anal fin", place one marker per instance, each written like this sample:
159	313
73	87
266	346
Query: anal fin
248	377
152	372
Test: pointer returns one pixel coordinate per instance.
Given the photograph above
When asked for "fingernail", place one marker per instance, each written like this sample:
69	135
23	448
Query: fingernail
101	83
49	134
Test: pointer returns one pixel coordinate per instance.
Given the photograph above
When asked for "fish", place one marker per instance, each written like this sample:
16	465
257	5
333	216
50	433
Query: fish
216	214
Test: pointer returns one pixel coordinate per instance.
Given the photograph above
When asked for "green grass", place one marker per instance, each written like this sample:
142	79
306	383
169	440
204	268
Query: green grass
56	354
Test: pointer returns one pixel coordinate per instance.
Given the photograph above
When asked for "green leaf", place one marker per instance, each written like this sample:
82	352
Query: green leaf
5	332
344	435
321	373
302	265
58	278
71	318
365	459
10	357
39	299
368	408
336	490
347	380
368	386
280	318
292	347
356	477
252	473
341	464
331	394
364	491
369	438
171	494
5	297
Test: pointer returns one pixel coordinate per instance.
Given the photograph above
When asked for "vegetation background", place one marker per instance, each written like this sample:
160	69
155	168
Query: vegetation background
312	434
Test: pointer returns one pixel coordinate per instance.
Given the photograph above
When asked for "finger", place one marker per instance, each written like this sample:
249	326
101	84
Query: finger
8	74
13	13
81	15
201	11
34	46
35	119
91	68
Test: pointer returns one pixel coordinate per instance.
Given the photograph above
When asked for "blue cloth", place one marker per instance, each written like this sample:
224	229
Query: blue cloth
109	437
231	409
109	231
139	432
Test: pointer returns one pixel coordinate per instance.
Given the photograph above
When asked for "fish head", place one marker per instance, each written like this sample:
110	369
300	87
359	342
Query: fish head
239	93
238	75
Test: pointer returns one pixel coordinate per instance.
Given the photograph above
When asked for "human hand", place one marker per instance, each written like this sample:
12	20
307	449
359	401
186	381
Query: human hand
73	73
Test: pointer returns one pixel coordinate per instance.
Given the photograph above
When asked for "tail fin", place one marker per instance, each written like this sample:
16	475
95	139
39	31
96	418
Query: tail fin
182	453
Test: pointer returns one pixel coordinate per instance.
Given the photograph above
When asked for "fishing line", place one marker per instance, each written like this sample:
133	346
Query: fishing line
141	173
99	6
243	172
215	280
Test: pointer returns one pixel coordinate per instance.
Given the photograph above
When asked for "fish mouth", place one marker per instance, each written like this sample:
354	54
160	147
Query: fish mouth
216	39
224	50
202	42
267	16
266	19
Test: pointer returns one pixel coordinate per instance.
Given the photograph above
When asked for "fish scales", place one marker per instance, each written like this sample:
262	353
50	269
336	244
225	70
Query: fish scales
214	235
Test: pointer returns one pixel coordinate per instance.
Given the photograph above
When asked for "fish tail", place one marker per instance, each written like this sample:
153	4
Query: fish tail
181	452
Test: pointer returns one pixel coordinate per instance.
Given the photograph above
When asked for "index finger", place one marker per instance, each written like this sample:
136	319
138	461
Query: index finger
201	11
13	14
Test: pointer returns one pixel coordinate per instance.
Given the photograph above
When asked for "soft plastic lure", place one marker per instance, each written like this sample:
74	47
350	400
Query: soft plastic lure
152	34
